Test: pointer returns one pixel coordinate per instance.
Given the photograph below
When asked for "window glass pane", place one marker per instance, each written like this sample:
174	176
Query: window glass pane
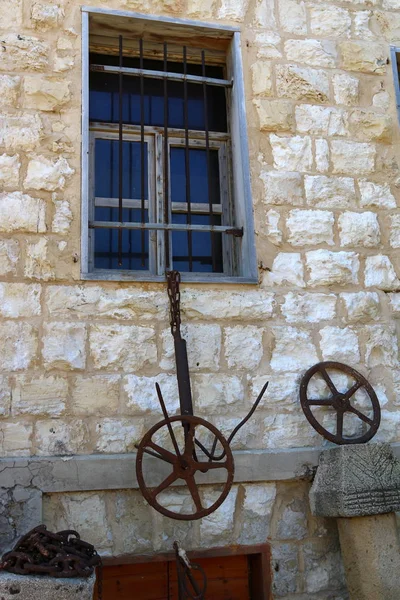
106	242
199	191
104	104
107	169
201	245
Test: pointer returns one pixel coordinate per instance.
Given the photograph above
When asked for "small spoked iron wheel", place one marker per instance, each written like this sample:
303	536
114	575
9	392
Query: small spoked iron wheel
184	464
341	402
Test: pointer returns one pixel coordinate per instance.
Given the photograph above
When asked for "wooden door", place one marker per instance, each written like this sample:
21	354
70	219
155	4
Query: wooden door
228	579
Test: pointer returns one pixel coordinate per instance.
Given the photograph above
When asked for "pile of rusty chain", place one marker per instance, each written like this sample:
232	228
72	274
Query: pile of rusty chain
61	554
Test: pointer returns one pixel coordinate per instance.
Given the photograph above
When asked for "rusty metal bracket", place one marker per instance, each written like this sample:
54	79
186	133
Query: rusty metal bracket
341	402
184	462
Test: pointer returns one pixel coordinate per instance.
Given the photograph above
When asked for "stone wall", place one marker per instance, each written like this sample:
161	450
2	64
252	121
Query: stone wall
79	360
306	560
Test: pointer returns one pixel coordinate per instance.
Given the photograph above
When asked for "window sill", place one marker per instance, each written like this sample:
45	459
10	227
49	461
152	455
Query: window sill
186	278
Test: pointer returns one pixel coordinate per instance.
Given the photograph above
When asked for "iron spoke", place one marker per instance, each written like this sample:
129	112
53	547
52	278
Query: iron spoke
329	381
165	484
151	453
353	390
189	442
166	454
360	415
194	490
320	402
339	424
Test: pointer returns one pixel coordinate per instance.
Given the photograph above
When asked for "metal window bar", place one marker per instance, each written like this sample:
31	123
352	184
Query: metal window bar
166	226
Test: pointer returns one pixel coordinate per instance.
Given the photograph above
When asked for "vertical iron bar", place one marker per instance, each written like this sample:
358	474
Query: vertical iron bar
130	182
142	153
187	156
206	127
121	172
166	161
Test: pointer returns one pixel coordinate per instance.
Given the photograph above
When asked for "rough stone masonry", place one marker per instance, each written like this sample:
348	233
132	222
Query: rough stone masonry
79	360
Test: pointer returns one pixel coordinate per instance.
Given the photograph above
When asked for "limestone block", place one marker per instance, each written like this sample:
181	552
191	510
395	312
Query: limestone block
64	346
60	437
201	9
368	125
85	512
19	300
292	16
381	101
46	174
291	516
217	394
43	395
291	153
312	52
9	90
376	195
22	132
217	528
15	439
345	89
19	345
395	231
95	301
362	157
273	230
11	14
381	346
310	227
23	53
129	519
348	483
233	10
203	344
39	588
258	503
268	45
380	273
5	397
9	170
340	344
329	21
63	63
287	269
45	93
359	229
274	115
118	435
20	212
243	346
322	156
125	347
46	16
388	24
37	263
261	72
282	188
323	567
332	268
95	395
62	217
284	568
391	4
156	6
362	21
365	57
321	120
301	83
283	390
329	192
289	430
308	308
293	349
248	437
230	305
265	14
9	254
361	306
140	396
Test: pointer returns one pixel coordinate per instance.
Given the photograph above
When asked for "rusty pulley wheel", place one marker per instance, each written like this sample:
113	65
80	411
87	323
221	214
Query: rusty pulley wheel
184	464
340	401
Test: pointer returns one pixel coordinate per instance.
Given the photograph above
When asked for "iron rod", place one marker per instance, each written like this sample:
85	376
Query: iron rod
169	227
166	162
142	153
120	148
162	75
187	158
206	127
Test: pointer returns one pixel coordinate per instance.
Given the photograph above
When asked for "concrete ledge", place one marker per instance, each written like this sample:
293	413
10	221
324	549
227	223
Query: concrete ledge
29	587
117	471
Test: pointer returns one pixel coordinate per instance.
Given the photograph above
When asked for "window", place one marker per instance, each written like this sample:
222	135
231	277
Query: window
395	58
165	160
